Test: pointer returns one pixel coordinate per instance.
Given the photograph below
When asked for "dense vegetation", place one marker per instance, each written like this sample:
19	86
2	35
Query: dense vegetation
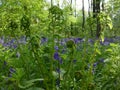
54	46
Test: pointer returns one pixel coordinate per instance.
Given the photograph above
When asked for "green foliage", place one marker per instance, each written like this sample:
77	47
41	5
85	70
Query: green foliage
44	48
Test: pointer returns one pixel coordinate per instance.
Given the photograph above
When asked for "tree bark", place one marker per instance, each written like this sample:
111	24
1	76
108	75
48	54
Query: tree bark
89	10
96	12
83	23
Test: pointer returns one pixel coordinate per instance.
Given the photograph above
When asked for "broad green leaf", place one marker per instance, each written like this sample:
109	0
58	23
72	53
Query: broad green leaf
29	83
34	88
98	51
102	36
55	74
110	25
72	19
109	50
113	45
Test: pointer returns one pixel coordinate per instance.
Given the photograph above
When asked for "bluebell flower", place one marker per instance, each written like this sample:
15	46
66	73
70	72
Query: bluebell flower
77	40
74	61
5	44
63	51
106	43
91	41
56	56
60	61
58	70
12	41
14	46
58	82
62	42
95	64
5	63
102	60
1	40
43	40
12	70
56	48
23	40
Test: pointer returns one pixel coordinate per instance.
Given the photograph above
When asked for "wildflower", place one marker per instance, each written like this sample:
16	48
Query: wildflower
57	70
23	40
56	56
12	70
106	43
63	51
91	41
77	40
56	48
1	40
95	64
5	63
102	60
14	46
62	42
60	61
43	40
58	82
74	61
12	41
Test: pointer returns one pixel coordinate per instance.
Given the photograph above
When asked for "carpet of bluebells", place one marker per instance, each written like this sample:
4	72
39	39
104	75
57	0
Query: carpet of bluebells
44	63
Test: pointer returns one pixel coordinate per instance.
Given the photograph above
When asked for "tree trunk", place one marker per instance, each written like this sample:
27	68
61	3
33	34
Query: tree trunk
98	19
96	11
83	23
89	10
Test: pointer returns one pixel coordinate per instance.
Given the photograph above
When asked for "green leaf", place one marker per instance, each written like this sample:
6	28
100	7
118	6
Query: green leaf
98	51
102	36
34	88
113	45
29	83
110	25
109	50
55	74
72	19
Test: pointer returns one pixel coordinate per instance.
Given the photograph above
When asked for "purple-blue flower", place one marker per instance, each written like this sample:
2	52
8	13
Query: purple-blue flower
43	40
77	40
58	82
56	48
102	60
5	63
95	64
74	61
58	70
12	70
56	56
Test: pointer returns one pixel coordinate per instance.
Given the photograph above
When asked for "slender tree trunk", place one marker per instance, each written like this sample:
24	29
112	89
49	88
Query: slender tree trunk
83	23
98	19
94	8
96	11
89	10
103	2
51	2
71	22
76	31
